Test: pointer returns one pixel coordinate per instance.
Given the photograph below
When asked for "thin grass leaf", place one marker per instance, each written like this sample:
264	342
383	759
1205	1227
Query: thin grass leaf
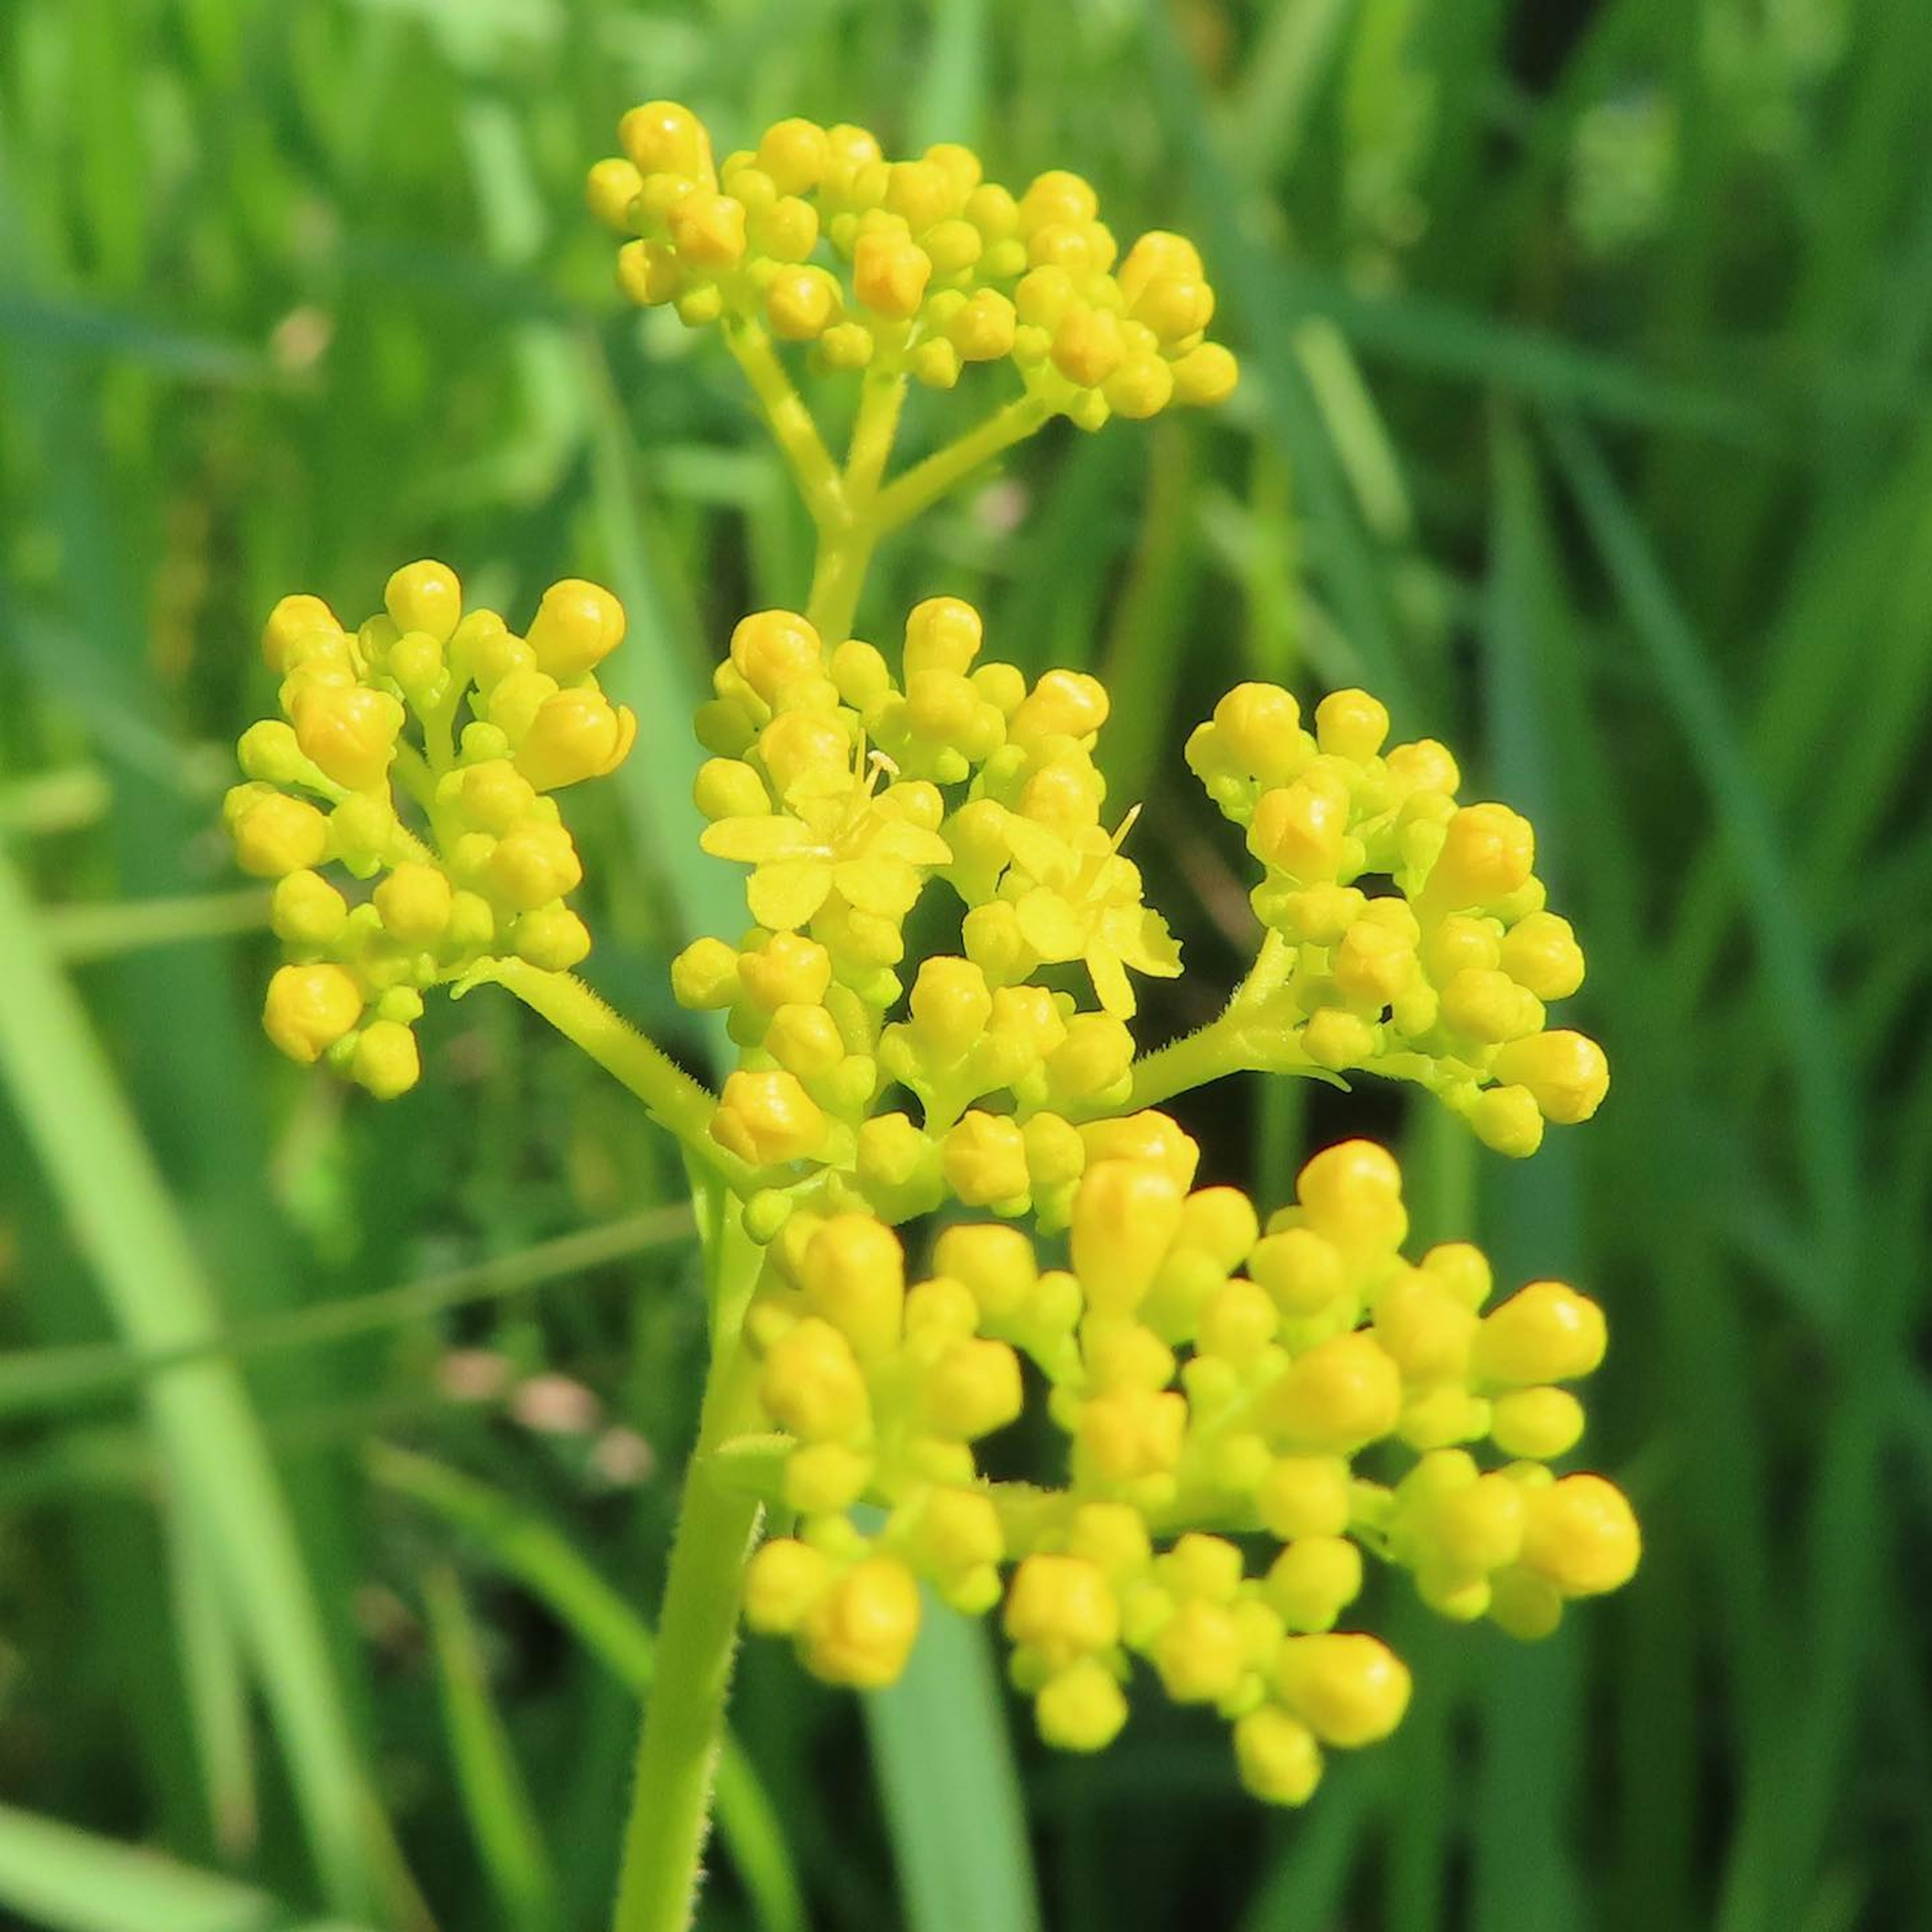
89	931
50	1378
119	1210
949	1787
509	1841
1800	1002
949	104
71	1881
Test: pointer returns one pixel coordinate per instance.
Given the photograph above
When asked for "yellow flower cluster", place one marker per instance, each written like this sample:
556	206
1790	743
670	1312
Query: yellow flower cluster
918	267
1445	979
1215	1379
417	754
847	789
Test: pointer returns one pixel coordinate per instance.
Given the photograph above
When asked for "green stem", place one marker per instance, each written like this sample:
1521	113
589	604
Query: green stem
837	579
697	1628
792	426
925	483
873	430
677	1103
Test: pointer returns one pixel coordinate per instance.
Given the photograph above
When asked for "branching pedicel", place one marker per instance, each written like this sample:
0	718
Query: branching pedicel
1295	1382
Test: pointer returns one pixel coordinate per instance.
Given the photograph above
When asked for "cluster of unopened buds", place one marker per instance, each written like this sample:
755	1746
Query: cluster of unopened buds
814	237
1251	1403
415	756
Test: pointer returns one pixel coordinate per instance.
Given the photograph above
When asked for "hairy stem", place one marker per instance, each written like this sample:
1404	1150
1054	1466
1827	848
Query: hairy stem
676	1101
698	1627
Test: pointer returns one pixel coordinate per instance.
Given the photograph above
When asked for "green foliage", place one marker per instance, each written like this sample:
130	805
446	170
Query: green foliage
1585	419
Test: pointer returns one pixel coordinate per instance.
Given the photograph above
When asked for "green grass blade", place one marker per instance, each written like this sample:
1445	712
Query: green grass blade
509	1839
71	1881
50	1379
89	931
950	100
949	1786
1800	1002
104	1174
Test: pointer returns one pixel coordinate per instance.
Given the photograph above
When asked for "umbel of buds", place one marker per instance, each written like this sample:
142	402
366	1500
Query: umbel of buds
1254	1403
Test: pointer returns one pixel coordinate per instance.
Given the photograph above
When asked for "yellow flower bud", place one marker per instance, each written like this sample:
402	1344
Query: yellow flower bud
349	731
309	1008
861	1632
1566	1073
414	901
275	835
846	346
787	230
951	1005
1351	1689
767	1119
610	188
1337	1039
853	1272
385	1060
774	650
995	1264
1342	1394
959	1530
534	863
812	1384
1125	1215
1062	704
1081	1709
268	752
982	331
802	304
704	976
306	909
665	137
1487	852
1352	1193
805	1040
1200	1654
1062	1607
794	153
1426	1331
1150	1136
1113	1538
1314	1580
889	274
294	621
1237	1321
494	796
1278	1757
1130	1432
1206	376
1544	1333
426	597
1581	1536
575	735
985	1160
1488	1007
1087	346
577	625
1056	197
1142	386
552	936
973	1389
785	1579
1373	963
1507	1120
1540	951
1304	1496
649	273
1299	828
823	1478
1538	1423
1479	1527
789	970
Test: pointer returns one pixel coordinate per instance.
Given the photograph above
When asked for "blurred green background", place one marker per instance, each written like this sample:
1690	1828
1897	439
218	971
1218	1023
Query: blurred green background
1586	419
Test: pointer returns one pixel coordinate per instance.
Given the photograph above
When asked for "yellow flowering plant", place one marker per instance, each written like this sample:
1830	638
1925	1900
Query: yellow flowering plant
1256	1400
